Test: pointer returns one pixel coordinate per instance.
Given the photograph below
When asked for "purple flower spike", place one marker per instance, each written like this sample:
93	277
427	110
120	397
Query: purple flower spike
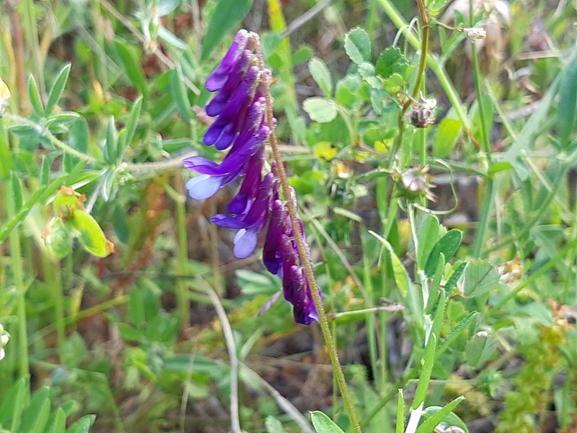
219	76
243	127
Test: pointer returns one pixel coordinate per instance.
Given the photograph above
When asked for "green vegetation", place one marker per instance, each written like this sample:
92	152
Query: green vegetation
433	150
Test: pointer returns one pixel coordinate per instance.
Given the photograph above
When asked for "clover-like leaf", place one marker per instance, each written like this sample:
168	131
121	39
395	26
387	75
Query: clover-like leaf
358	45
320	109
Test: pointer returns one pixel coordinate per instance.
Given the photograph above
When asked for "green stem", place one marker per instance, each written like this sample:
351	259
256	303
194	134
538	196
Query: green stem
485	218
480	103
304	256
18	277
318	236
410	374
432	62
182	298
373	342
424	15
32	35
44	132
53	278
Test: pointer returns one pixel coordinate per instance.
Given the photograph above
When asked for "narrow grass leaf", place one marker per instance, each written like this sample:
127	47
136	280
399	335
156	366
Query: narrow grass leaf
57	88
6	161
36	414
179	93
425	377
110	145
120	224
530	128
34	96
400	428
11	409
78	137
226	15
130	127
321	75
404	284
567	102
170	38
56	422
82	425
131	65
438	415
44	177
59	120
323	424
136	307
16	191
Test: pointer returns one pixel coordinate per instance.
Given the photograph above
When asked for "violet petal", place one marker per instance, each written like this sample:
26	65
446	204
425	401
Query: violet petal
219	76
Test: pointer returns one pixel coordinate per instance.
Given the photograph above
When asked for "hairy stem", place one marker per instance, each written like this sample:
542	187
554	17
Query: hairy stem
302	249
19	120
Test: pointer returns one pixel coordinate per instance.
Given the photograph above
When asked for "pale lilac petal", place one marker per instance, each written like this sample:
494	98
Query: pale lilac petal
204	186
245	243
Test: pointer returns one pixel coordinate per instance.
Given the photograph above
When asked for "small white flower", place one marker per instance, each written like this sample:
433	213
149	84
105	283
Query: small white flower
475	33
4	337
4	96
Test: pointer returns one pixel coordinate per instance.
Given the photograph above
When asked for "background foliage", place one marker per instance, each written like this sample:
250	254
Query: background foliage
447	255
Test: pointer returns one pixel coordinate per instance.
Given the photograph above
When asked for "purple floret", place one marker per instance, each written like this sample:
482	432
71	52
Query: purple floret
241	126
219	76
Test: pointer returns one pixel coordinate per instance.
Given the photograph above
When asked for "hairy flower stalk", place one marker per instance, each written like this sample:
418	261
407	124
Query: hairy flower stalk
245	122
242	127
